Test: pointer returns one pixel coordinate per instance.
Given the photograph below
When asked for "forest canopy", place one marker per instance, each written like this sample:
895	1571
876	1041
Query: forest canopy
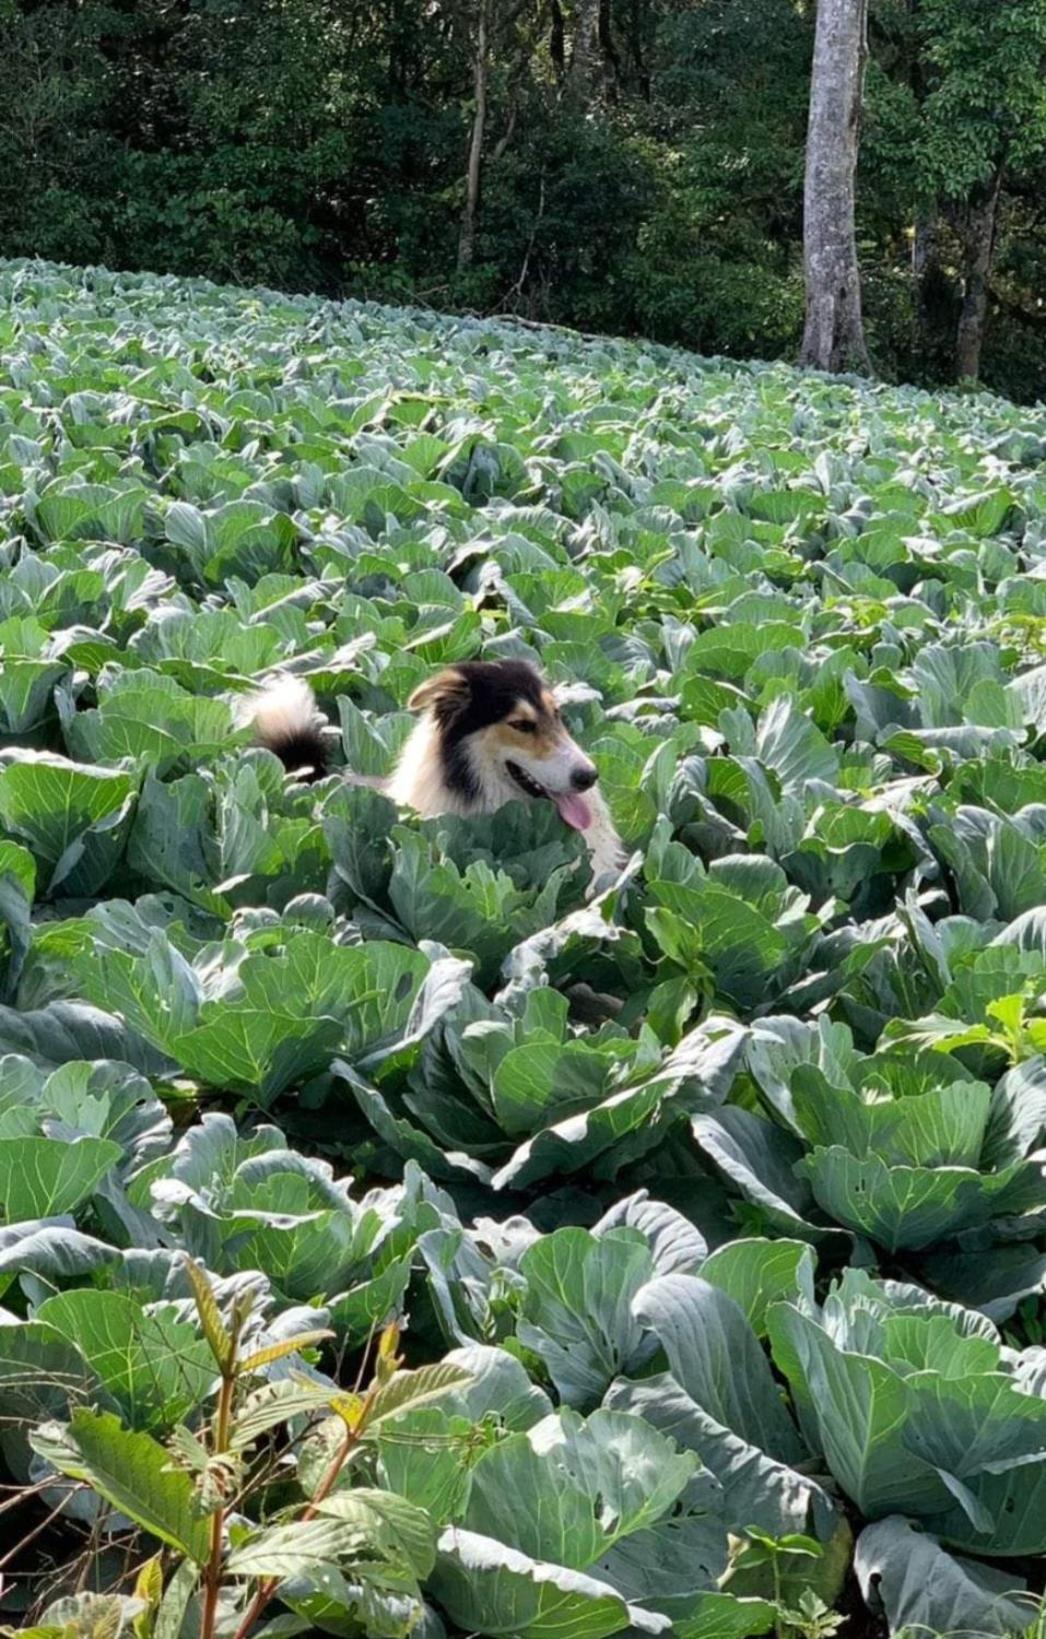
624	166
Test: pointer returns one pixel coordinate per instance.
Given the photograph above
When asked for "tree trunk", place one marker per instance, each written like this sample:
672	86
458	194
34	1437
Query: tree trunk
467	235
610	62
636	48
978	243
586	59
557	46
833	338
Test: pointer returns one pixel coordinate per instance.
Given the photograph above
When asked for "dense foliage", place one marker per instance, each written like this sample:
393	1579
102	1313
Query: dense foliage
721	1199
638	163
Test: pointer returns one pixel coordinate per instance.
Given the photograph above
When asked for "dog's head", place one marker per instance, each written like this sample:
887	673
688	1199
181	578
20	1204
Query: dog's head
501	736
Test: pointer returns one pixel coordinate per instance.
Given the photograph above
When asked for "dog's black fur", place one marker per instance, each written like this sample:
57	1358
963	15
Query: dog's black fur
303	753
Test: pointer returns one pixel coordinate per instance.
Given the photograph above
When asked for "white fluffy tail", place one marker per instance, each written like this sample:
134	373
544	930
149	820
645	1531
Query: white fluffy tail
287	721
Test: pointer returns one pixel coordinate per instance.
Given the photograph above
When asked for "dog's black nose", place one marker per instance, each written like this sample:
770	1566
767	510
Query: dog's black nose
583	779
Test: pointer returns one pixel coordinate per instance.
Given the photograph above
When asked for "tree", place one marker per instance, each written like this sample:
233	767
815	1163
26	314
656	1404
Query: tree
985	121
833	337
975	221
498	27
958	123
467	237
588	58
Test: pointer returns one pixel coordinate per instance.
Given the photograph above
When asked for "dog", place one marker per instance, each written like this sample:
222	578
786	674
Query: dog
488	732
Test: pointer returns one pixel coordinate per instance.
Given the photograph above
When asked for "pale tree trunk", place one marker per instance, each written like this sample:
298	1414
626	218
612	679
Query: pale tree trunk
467	235
978	242
833	338
586	61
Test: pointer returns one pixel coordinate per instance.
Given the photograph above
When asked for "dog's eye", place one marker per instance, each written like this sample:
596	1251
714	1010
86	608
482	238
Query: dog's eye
525	726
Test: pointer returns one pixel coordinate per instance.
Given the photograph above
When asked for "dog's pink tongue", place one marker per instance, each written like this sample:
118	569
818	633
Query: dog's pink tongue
574	810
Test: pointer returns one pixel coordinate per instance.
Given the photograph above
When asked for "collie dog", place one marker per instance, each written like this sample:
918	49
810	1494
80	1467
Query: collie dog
488	731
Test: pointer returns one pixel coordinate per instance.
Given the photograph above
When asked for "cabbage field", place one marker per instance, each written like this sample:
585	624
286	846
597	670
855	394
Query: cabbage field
394	1240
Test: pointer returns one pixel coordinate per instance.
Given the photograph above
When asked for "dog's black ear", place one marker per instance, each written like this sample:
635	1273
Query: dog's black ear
444	695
